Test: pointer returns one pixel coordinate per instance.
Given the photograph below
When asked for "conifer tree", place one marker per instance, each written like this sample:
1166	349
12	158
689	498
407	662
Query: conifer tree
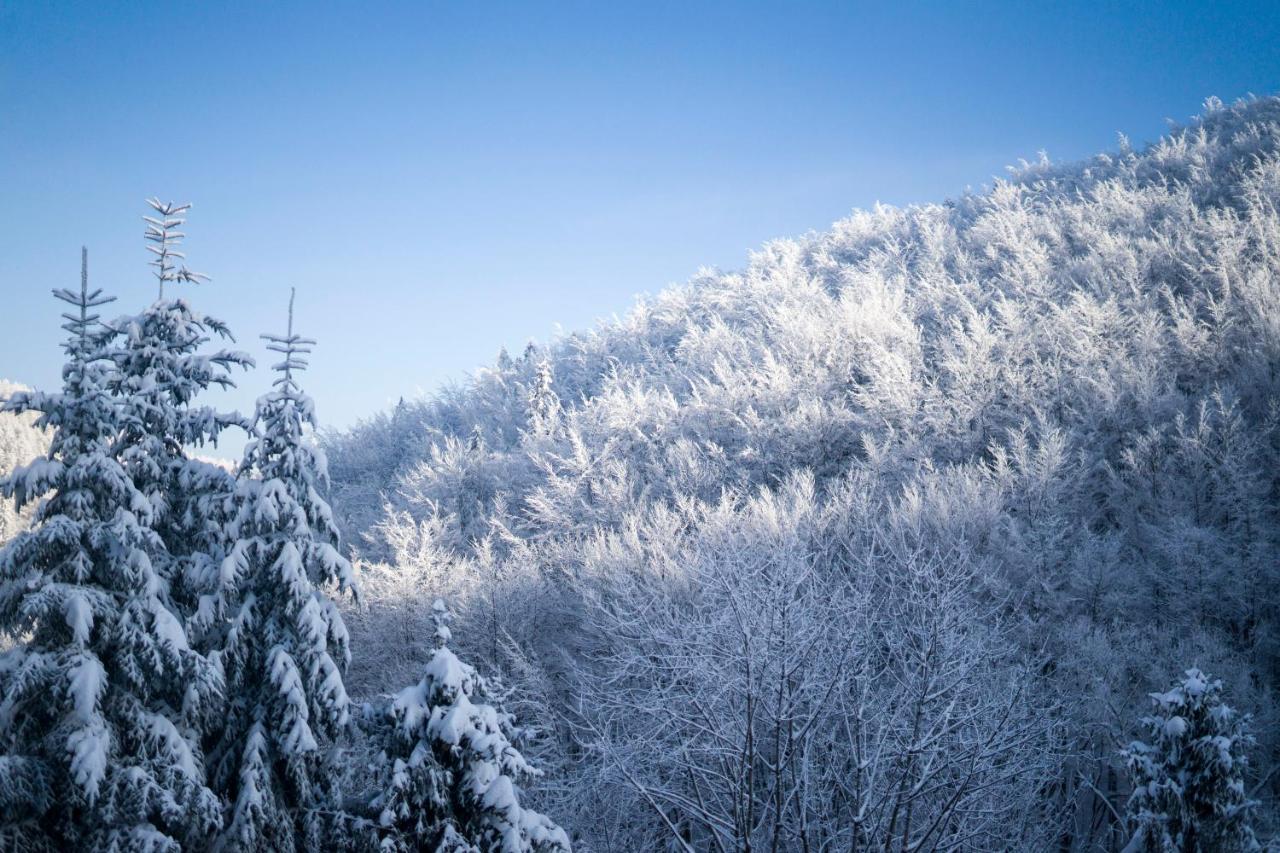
1188	780
544	404
102	696
282	641
451	768
160	370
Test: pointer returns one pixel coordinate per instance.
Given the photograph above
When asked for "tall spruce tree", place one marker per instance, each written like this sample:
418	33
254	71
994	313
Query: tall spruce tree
450	767
282	641
102	696
160	370
1188	780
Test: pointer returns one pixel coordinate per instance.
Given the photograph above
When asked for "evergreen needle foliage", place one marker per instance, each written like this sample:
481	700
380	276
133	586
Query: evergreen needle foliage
1189	777
282	642
103	696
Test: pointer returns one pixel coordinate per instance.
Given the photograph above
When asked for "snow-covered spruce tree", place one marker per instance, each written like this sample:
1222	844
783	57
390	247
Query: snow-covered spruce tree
1188	780
102	696
160	370
544	404
451	768
281	639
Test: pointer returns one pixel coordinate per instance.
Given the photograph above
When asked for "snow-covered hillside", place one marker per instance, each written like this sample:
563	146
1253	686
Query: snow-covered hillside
887	535
20	442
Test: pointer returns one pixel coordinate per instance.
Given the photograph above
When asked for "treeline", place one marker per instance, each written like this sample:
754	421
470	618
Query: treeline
886	539
175	673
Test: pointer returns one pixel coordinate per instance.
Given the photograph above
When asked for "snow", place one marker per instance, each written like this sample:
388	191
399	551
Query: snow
1195	683
162	732
168	630
88	746
88	681
445	671
297	737
79	618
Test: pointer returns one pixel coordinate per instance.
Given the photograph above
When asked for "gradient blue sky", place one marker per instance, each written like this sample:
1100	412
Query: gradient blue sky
439	180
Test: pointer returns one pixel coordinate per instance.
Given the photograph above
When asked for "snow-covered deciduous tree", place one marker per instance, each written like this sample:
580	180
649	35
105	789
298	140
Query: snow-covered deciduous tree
20	442
1189	774
1069	378
103	697
451	769
758	678
278	634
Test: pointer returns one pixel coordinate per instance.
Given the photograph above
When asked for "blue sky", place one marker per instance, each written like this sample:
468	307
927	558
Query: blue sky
439	180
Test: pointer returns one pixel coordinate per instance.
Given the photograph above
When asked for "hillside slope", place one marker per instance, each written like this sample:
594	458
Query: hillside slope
20	442
1058	400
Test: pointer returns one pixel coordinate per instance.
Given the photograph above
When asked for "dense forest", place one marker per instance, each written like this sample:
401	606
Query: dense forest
993	470
954	527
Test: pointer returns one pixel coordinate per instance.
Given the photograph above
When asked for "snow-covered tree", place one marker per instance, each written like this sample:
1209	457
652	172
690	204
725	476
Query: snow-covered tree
1189	776
20	442
103	697
279	635
160	370
452	768
544	404
1070	377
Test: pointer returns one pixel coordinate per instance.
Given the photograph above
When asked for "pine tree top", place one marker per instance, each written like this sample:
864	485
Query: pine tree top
162	232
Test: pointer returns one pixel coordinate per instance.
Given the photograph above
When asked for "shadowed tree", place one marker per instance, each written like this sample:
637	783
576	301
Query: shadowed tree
103	696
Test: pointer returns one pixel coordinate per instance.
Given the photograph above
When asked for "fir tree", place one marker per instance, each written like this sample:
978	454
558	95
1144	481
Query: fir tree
282	640
544	404
452	769
160	370
1188	781
103	695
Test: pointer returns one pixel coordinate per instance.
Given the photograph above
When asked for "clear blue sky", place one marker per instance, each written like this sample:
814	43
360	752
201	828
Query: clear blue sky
438	180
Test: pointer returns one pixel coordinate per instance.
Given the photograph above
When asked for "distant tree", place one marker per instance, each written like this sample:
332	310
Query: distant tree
450	767
280	637
20	442
1188	779
544	405
103	697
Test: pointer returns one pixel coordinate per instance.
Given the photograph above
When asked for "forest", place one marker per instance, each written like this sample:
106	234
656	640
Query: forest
953	527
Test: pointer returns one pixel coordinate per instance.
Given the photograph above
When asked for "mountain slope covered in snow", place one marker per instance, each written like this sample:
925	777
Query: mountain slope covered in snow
1040	422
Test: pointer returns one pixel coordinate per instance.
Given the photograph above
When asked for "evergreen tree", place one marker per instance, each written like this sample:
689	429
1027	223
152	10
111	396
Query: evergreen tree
1188	781
282	640
452	769
103	695
159	372
544	404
